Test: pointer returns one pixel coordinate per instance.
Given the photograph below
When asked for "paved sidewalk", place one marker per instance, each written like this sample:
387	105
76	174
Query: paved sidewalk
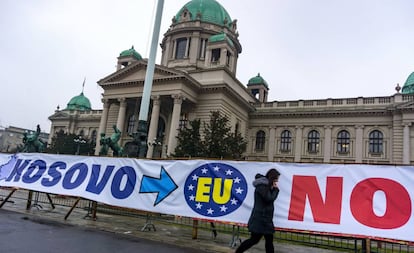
165	232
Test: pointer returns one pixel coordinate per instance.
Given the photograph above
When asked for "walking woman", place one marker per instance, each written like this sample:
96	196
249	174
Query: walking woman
261	219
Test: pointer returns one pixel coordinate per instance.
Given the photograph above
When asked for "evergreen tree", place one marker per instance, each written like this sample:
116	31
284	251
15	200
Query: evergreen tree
63	143
219	141
216	136
189	141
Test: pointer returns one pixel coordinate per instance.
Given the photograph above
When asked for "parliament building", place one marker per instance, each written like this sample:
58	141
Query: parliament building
198	74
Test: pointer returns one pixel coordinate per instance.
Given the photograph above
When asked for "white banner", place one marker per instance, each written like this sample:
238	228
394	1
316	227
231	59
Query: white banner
360	200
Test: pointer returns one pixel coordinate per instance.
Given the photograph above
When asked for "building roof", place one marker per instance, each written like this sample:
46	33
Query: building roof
131	52
221	37
80	103
207	11
408	87
257	80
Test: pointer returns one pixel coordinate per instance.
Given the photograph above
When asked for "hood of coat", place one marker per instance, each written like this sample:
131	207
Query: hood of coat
260	180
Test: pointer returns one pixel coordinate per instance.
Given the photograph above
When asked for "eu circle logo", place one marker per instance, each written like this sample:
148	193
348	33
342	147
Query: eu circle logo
215	189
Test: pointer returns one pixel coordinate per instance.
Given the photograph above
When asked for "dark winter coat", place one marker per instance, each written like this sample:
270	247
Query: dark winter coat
261	218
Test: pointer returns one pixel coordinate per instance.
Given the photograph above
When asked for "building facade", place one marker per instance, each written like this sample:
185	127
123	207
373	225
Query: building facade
11	138
197	75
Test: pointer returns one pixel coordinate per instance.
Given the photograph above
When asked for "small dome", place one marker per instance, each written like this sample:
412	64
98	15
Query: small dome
131	52
408	87
80	103
207	11
257	80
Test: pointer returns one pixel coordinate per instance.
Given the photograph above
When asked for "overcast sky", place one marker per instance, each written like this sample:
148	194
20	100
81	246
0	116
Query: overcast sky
304	49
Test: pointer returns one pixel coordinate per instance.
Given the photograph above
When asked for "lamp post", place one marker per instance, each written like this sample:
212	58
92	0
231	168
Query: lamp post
79	141
154	143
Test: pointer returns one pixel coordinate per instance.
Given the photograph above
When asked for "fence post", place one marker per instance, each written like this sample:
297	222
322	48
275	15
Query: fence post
195	229
29	200
366	245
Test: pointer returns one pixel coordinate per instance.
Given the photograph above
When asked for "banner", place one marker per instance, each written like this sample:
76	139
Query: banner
360	200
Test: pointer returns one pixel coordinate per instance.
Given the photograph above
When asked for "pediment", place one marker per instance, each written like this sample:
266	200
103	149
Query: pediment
406	106
136	73
59	114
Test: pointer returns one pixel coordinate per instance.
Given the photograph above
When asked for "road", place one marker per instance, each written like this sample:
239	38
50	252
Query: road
20	233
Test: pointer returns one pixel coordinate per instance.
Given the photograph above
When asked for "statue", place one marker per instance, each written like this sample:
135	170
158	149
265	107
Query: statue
111	142
104	145
32	142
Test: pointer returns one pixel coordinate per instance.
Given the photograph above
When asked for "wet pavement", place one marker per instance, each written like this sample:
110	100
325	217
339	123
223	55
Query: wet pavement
153	229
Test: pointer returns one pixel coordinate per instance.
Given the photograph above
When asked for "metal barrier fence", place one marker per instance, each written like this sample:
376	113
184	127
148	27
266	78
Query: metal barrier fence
91	208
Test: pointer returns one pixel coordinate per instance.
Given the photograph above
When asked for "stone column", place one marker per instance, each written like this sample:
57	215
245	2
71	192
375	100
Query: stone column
175	120
327	146
102	125
121	114
223	56
271	148
194	47
406	144
359	143
187	47
298	143
152	132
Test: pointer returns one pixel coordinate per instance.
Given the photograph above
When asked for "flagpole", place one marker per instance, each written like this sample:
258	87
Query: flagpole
145	100
83	85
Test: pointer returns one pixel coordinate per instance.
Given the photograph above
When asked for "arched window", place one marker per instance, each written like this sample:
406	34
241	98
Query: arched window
286	141
375	142
260	140
343	140
131	124
313	141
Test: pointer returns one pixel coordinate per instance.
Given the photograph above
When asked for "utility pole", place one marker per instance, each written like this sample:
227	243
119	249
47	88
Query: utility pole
146	95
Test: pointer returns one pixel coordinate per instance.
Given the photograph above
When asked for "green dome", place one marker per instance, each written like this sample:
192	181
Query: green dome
408	87
257	80
207	11
80	103
131	52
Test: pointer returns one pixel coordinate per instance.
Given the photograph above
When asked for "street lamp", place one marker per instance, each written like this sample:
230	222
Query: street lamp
155	143
79	141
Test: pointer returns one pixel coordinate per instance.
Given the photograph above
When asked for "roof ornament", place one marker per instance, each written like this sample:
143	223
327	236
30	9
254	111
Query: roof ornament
198	15
398	88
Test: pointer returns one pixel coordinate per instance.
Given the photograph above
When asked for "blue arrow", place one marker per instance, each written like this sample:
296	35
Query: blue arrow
164	185
6	169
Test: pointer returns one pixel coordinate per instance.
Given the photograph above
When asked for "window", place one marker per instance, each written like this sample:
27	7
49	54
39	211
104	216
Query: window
375	142
313	141
93	136
237	129
260	140
285	141
181	48
131	124
343	141
215	55
228	56
183	121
